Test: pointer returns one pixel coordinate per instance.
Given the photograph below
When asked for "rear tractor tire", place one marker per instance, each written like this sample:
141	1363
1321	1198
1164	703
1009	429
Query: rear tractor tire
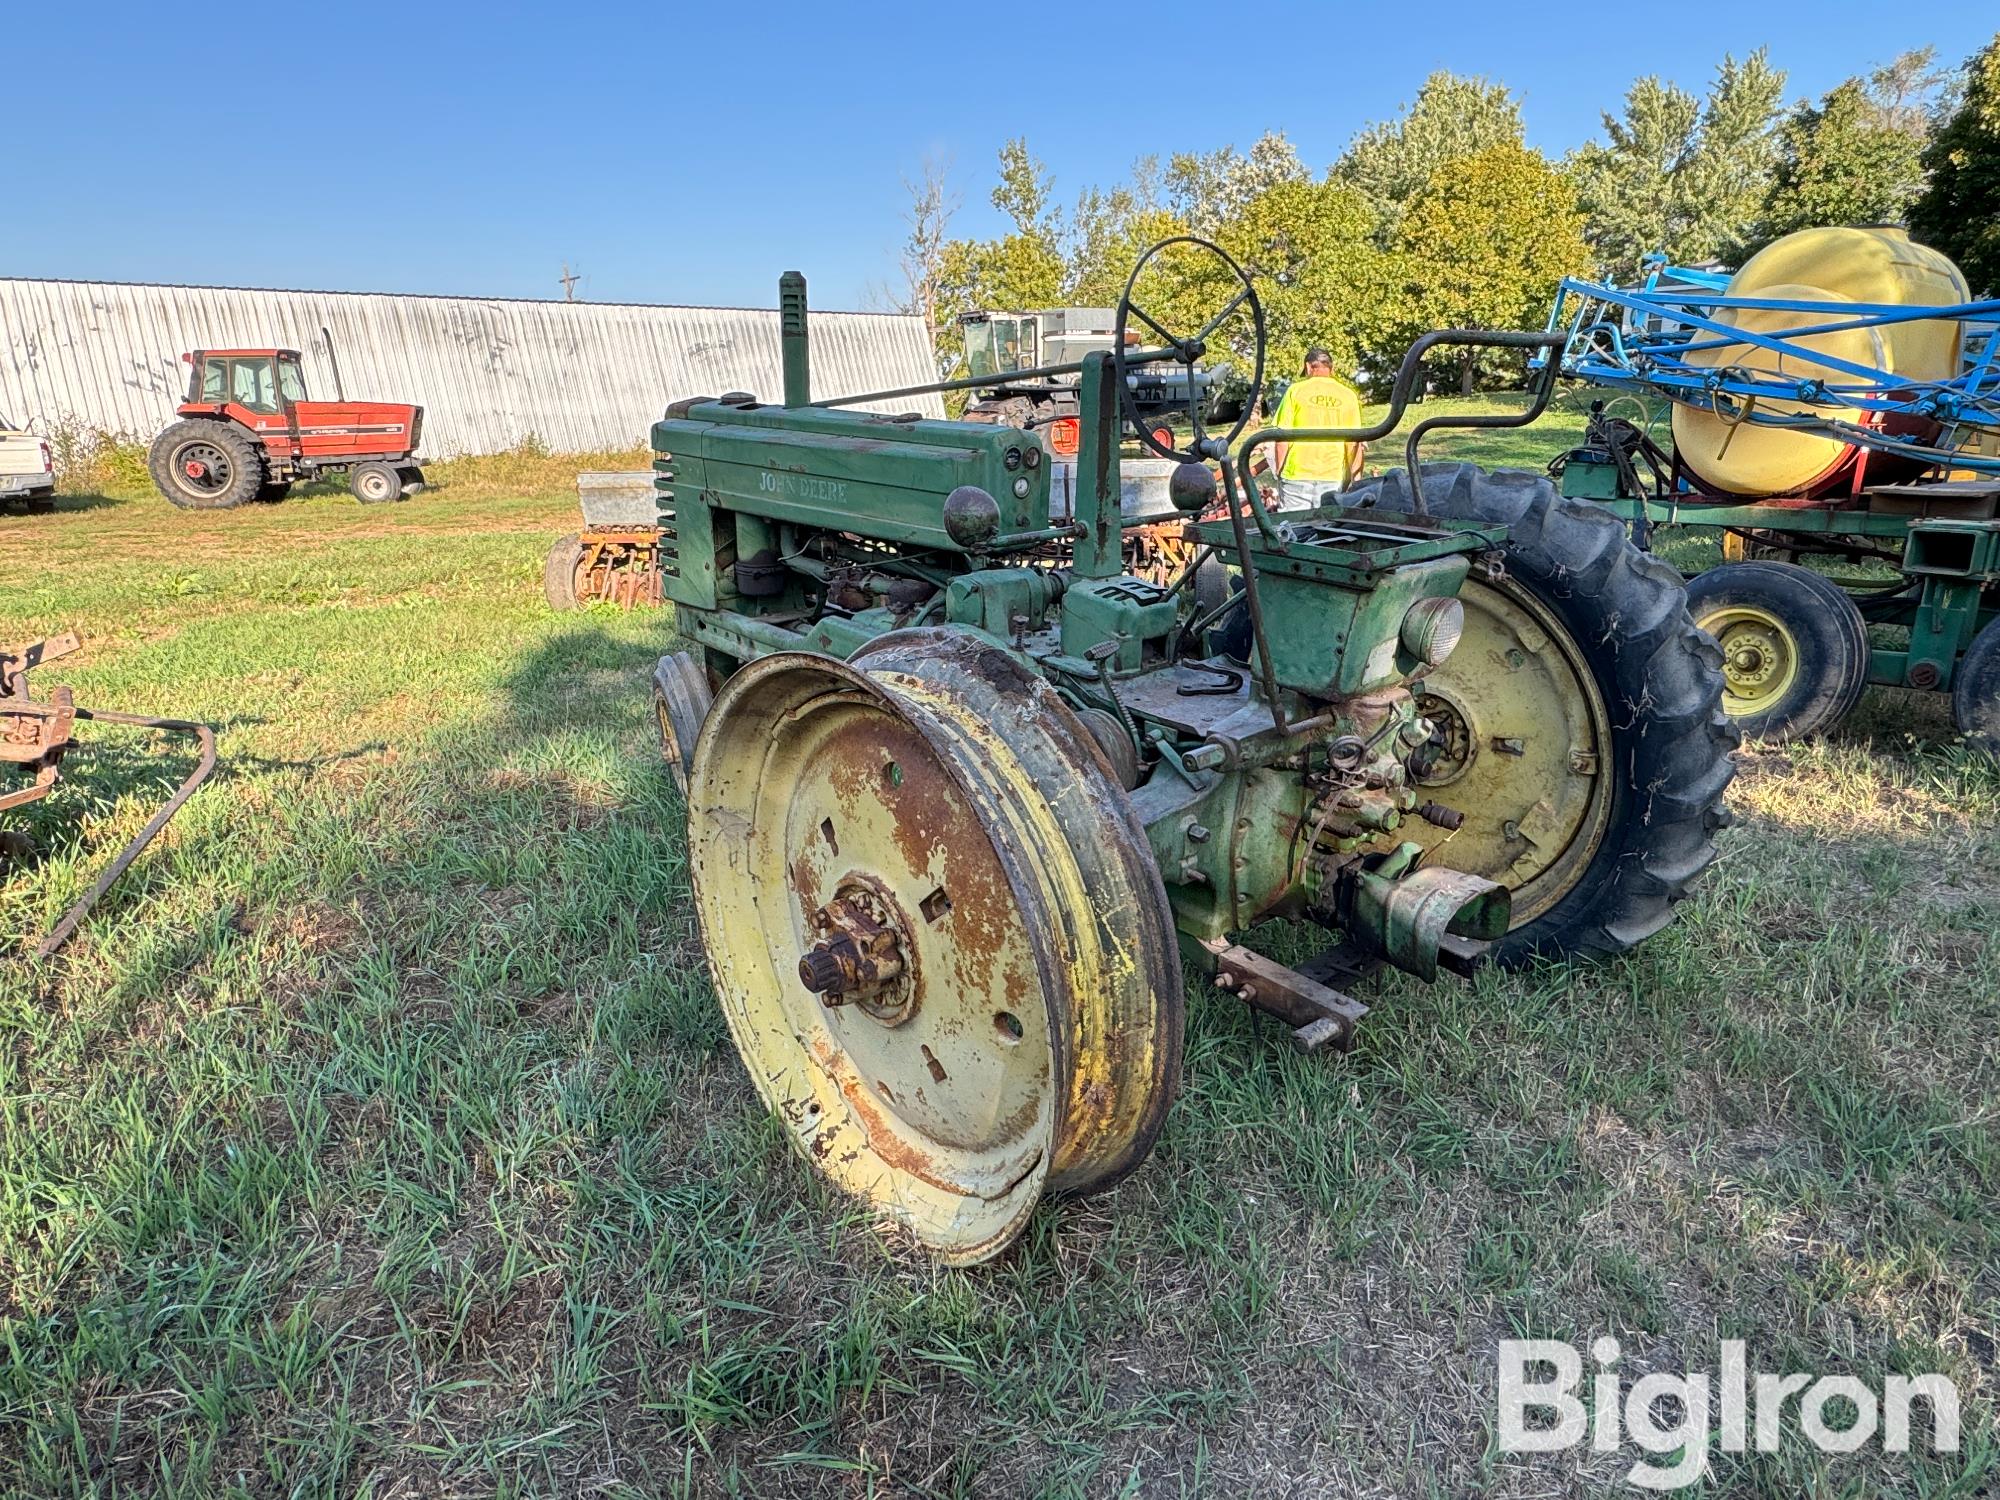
1578	725
376	483
206	465
1794	647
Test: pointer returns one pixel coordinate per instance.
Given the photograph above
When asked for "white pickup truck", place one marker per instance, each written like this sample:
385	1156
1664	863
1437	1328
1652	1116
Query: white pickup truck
27	469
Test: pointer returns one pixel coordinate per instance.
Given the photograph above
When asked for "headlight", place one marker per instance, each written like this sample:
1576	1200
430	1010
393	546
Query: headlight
1432	628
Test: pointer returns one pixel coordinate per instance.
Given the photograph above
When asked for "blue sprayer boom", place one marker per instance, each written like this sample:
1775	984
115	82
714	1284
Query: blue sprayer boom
1836	401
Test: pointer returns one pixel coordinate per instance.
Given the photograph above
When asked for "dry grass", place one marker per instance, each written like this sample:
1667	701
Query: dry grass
91	463
529	469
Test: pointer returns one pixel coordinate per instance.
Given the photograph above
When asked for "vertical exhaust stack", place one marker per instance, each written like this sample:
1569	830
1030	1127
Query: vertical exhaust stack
792	339
333	362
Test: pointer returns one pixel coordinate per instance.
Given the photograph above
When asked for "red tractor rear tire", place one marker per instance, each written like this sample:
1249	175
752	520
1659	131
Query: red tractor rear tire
206	465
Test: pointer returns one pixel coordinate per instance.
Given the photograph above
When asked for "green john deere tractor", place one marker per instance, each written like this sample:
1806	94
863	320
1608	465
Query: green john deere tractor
964	794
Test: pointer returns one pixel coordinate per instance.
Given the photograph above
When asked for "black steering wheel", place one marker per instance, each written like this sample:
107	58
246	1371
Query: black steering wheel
1186	351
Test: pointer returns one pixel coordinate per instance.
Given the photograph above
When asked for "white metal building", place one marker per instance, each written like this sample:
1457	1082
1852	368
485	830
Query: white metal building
106	356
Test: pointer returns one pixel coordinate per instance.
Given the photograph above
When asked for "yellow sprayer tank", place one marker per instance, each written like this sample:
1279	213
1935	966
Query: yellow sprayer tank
1874	265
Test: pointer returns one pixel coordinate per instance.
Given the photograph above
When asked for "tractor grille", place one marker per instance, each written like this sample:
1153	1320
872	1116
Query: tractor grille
663	484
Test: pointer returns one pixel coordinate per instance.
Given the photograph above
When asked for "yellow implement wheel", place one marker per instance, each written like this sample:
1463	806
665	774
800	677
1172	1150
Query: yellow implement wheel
1525	737
936	932
1760	658
1794	646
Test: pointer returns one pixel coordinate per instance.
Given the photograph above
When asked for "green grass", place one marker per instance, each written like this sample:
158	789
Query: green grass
379	1135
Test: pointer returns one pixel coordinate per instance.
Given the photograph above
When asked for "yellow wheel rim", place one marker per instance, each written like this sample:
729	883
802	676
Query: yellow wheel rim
1760	658
1526	754
1014	1022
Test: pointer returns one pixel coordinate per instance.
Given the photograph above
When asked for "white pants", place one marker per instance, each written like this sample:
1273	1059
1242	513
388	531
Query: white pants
1304	494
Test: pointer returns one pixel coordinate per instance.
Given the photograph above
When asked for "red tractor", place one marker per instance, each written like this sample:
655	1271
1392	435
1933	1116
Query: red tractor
248	432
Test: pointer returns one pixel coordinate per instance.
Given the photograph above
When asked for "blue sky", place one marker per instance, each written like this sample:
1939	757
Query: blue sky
690	153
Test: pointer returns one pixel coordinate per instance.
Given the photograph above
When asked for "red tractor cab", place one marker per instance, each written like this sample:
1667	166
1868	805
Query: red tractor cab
248	431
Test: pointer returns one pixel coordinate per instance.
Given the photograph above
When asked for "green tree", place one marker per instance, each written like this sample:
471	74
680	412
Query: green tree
1206	190
1856	156
1912	92
1025	194
1959	213
1685	176
1310	251
1389	163
1483	246
1023	268
1110	231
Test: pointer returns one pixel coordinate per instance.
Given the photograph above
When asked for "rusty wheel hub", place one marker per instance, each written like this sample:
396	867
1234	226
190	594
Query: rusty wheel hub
865	956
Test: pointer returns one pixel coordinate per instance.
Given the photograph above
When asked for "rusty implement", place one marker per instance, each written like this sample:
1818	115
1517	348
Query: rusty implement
35	735
604	566
620	555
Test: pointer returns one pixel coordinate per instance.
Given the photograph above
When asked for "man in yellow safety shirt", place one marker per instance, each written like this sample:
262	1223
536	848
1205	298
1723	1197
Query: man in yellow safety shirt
1307	470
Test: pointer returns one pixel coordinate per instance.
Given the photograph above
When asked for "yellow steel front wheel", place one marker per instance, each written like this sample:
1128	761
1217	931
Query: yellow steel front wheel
936	931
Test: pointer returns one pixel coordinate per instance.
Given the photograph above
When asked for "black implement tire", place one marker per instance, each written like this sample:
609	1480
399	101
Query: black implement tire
275	491
375	483
16	849
1975	691
1583	614
1794	646
413	480
559	573
230	465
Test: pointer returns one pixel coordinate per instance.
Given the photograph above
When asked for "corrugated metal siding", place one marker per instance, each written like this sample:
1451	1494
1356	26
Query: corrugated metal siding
577	375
